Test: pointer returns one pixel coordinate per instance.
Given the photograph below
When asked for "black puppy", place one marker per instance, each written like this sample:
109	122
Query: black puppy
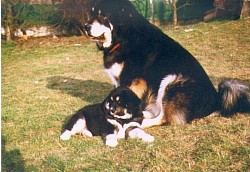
118	116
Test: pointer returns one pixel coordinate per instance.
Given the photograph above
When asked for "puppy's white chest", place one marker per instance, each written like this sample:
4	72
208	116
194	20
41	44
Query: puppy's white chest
122	128
114	73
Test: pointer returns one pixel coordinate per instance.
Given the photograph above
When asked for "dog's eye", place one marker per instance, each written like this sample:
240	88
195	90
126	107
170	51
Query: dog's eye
93	9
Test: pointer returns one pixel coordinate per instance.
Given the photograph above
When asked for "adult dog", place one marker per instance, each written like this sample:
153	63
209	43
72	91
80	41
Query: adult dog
172	84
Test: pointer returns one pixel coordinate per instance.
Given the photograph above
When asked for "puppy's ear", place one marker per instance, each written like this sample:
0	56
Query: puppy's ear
107	99
137	100
104	102
104	105
134	99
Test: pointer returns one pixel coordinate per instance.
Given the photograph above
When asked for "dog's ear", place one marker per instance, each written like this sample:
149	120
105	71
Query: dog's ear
106	100
119	12
137	100
112	93
132	97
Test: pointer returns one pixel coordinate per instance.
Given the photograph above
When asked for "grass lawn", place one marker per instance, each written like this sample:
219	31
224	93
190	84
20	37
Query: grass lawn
46	80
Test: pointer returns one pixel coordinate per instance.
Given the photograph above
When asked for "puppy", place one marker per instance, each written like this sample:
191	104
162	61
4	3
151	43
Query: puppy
118	116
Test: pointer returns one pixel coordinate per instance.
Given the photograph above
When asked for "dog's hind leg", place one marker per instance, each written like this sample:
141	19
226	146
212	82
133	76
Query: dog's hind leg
65	135
78	128
139	133
159	120
168	106
86	132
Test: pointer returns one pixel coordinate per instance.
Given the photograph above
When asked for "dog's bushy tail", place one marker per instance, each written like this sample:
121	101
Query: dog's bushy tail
234	97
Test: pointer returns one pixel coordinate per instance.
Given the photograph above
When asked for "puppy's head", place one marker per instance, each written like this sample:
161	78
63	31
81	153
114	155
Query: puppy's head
123	104
105	16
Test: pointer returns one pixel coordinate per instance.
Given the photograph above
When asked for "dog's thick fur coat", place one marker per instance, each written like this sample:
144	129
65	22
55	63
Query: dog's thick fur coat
171	82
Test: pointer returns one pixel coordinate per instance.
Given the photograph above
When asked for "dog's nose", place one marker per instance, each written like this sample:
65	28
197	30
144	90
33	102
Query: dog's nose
87	27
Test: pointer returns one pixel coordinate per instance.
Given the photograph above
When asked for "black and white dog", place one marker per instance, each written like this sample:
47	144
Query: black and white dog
172	84
118	116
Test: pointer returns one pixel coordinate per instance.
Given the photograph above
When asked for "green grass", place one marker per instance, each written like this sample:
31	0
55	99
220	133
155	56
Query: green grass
45	80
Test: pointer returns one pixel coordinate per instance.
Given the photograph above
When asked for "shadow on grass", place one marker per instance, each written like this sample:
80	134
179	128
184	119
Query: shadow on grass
89	90
11	160
95	91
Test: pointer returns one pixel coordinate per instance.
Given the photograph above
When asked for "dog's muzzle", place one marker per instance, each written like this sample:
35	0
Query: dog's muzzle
87	28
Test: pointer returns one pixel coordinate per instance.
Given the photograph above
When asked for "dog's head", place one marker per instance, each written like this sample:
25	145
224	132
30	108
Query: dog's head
122	103
105	17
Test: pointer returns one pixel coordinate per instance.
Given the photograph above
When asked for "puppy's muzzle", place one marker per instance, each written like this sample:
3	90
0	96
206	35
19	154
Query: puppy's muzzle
117	111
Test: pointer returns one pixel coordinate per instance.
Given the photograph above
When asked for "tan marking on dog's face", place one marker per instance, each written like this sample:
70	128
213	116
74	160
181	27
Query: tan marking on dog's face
139	87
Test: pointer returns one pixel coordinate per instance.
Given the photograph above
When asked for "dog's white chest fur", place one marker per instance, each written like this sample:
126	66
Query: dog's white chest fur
122	128
114	73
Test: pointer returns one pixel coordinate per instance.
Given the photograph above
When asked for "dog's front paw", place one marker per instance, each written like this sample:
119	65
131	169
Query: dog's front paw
147	115
147	138
139	133
87	133
65	135
111	140
121	134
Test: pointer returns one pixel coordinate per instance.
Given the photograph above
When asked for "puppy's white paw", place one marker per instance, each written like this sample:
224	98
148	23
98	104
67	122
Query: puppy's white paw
147	115
139	133
121	134
65	135
132	134
87	133
112	142
148	138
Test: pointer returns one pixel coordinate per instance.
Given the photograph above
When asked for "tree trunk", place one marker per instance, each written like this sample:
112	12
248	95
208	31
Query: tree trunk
174	13
8	22
152	10
146	10
245	11
7	33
